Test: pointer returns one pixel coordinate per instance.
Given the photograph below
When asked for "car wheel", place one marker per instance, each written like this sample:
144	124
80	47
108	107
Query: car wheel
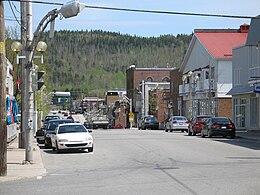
189	132
202	134
53	148
57	148
165	128
193	132
91	149
209	134
233	135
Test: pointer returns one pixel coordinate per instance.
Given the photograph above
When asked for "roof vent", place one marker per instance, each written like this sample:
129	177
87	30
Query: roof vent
244	28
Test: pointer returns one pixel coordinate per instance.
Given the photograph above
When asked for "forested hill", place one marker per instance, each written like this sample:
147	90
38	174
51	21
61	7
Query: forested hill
96	61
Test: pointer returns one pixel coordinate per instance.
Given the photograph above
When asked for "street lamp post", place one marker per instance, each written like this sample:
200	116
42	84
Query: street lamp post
69	10
190	100
196	79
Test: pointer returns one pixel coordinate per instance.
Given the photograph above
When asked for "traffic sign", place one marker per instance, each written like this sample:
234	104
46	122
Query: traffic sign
131	115
257	89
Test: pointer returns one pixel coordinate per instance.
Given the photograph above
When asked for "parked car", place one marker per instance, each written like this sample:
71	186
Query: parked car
40	133
196	124
52	124
71	136
51	117
177	123
218	126
148	122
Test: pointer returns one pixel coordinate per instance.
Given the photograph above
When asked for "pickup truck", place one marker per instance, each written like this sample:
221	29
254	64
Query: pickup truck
100	122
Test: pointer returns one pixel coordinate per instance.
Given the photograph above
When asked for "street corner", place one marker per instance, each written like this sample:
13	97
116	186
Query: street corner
18	168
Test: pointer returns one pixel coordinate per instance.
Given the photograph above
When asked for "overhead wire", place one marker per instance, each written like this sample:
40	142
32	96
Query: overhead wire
145	11
14	13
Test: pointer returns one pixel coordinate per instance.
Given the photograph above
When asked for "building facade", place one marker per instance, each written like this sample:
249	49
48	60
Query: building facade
149	88
207	72
246	79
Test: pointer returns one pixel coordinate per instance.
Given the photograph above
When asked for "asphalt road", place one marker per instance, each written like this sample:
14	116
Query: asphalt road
148	162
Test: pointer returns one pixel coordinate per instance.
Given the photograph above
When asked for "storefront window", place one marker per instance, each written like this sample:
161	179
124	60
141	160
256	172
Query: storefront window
240	112
254	112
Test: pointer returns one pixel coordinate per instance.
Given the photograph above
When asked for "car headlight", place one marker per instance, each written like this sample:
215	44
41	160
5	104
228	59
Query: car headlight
63	140
88	139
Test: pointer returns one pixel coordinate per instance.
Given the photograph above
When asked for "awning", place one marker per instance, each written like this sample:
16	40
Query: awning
241	90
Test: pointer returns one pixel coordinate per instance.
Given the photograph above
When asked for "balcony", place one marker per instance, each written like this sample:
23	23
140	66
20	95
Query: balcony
200	86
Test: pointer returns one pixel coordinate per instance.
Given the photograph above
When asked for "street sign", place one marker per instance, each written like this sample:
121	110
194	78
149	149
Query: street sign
131	115
257	89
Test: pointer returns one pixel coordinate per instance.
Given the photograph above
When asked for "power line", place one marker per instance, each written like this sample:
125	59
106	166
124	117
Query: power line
14	13
147	11
167	12
16	8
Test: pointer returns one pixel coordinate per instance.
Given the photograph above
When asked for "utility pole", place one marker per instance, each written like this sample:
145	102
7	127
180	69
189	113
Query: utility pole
28	85
23	74
3	126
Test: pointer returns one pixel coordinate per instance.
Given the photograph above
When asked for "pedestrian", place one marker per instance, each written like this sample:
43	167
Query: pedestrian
70	117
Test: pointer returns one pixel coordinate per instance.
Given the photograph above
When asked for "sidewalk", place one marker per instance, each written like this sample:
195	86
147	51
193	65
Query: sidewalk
16	169
253	135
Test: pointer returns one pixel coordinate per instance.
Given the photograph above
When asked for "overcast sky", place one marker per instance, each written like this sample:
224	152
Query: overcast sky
146	24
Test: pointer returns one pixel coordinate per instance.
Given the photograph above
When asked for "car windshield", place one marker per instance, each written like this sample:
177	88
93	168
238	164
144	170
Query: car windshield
53	125
203	118
72	129
151	119
47	118
179	118
221	120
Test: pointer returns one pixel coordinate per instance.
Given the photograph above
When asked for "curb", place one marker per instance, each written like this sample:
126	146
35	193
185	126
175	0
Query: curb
17	170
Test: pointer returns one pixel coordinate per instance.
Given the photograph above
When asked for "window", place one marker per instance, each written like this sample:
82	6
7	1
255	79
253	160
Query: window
149	79
237	76
240	111
212	70
254	111
166	79
207	75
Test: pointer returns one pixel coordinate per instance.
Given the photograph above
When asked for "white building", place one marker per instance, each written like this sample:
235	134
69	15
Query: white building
246	77
207	71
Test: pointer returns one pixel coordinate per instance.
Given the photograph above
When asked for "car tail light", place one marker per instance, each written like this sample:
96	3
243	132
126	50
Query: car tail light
188	122
231	126
214	126
174	121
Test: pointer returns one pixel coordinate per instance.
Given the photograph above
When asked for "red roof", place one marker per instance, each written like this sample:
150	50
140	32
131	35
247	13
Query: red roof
220	44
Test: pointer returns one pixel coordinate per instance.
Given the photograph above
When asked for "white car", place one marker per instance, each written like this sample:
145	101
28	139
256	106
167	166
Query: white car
177	123
71	136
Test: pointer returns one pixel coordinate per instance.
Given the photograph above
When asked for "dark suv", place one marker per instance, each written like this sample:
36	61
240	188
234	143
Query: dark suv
148	122
52	124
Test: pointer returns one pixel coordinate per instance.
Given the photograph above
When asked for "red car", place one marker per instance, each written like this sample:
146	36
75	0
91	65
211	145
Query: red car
196	124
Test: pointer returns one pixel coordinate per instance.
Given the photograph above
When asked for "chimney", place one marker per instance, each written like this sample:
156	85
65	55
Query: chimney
244	28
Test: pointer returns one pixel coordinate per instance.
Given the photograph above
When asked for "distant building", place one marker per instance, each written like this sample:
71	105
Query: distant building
112	96
141	86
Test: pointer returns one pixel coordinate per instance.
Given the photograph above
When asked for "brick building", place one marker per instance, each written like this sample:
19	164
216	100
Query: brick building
149	88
